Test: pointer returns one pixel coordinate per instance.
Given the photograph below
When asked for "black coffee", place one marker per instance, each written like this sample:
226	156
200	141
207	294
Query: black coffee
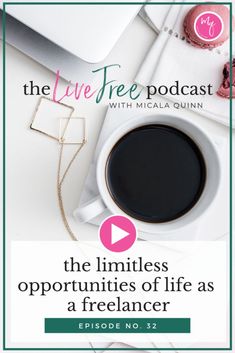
155	173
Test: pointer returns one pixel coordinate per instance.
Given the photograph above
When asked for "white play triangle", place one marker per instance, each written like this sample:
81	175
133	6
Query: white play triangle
117	234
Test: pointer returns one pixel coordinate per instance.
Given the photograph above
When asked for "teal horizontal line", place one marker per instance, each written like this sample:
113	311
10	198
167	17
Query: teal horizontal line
115	3
117	349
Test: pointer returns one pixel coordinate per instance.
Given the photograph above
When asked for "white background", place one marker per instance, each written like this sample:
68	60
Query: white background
207	310
34	196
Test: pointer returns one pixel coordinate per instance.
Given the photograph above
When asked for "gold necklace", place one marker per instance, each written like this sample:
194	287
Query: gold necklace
60	181
61	139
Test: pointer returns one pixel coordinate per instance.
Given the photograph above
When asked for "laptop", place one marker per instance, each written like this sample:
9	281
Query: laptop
77	33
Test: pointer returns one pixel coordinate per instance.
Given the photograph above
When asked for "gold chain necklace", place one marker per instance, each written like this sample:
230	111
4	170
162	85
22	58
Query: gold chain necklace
61	178
60	181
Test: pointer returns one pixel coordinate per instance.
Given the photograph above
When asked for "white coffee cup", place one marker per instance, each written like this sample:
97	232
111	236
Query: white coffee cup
213	175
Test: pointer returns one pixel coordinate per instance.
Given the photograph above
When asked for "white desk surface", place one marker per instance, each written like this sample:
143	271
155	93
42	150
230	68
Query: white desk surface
32	158
32	209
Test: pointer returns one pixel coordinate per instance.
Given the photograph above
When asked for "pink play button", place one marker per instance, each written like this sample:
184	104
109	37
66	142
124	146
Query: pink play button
117	233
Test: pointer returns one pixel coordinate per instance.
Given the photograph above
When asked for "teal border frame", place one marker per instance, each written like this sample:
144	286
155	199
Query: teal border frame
4	179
